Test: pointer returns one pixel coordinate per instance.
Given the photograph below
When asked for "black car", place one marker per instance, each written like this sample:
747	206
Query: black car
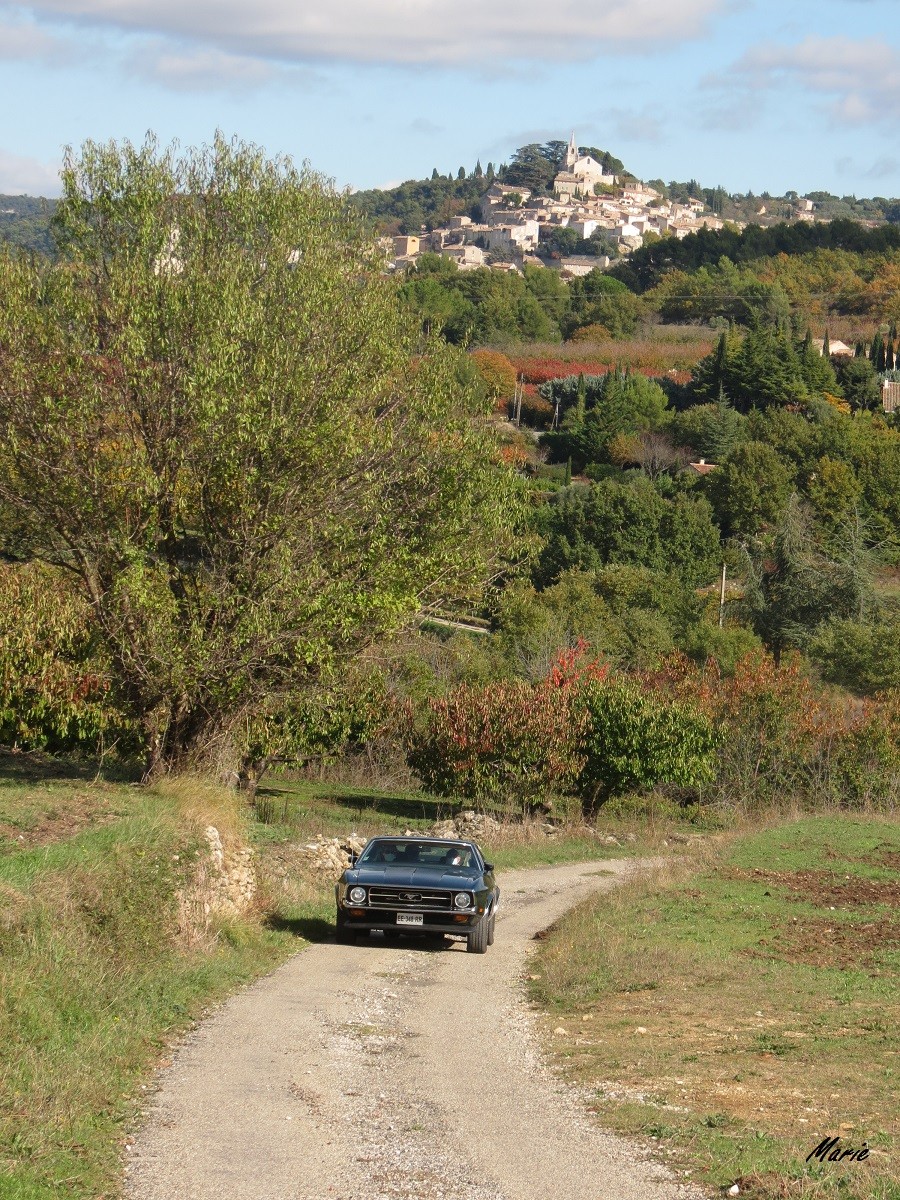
419	885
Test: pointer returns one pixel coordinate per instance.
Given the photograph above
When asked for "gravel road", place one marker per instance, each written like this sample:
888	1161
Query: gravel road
389	1071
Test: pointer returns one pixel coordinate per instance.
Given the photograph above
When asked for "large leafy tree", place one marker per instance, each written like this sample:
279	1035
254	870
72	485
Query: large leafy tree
792	587
628	524
534	167
750	489
217	418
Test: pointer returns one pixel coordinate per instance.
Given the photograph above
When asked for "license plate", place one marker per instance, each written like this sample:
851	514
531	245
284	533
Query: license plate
409	918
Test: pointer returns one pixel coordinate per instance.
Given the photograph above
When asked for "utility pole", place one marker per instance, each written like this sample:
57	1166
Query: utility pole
520	387
722	598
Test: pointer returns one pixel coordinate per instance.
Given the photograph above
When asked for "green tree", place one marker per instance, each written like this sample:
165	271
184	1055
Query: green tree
627	404
792	588
628	524
860	384
816	369
215	416
749	490
862	655
833	491
712	372
54	676
634	740
532	167
711	430
766	372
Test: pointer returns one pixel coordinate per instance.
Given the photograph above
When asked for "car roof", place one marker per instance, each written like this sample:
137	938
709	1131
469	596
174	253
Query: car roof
418	837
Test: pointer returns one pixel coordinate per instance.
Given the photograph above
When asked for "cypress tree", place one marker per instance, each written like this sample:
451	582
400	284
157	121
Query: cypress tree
569	470
860	351
478	171
580	400
876	349
880	360
434	174
818	373
889	355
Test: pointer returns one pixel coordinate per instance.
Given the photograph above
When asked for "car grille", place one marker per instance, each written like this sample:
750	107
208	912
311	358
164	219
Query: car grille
413	898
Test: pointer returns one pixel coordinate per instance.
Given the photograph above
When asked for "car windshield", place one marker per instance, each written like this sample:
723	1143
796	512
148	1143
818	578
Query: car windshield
413	853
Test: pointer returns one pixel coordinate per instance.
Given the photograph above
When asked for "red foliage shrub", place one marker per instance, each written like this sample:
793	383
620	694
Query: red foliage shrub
509	741
542	370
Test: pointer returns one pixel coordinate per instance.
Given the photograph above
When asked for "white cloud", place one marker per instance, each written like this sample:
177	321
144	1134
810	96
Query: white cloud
20	176
859	78
191	68
411	32
21	39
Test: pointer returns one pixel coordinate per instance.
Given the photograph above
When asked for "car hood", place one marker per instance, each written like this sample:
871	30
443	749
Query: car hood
399	875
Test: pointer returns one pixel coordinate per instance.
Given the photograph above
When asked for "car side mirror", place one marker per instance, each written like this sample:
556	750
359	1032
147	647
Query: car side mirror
353	859
489	866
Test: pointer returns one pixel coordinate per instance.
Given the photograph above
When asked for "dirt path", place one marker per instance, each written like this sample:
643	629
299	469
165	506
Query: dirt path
389	1072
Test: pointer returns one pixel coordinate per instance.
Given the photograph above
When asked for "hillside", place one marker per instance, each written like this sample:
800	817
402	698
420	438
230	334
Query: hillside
418	203
25	222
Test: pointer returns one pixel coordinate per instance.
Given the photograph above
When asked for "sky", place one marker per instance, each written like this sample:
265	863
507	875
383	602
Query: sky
759	95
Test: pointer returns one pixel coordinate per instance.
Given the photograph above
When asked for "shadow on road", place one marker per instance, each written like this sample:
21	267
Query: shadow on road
312	929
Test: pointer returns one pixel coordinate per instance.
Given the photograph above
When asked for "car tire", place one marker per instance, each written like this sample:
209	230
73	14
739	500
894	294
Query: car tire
477	940
343	935
490	936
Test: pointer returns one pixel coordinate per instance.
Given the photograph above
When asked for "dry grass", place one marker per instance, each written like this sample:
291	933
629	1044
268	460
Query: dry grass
200	803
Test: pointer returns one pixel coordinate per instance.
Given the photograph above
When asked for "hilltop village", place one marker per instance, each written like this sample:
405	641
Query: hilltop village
516	227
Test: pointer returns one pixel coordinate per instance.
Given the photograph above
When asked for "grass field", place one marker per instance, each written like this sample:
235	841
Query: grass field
742	1007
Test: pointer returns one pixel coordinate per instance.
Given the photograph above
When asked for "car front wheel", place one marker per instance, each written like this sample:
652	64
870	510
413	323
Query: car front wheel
477	941
490	935
342	934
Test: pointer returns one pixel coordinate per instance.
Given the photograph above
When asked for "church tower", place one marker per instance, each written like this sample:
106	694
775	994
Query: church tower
571	153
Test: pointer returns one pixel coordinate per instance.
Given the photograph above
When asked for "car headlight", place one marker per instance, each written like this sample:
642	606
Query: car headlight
357	895
462	900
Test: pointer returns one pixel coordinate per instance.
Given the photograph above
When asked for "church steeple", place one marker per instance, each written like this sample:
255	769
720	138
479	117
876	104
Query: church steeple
572	152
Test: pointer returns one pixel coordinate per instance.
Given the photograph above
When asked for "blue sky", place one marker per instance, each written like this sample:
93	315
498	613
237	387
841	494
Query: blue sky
752	94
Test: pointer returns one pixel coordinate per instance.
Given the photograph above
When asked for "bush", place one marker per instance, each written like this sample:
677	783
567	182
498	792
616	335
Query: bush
633	739
536	411
497	374
507	744
865	760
